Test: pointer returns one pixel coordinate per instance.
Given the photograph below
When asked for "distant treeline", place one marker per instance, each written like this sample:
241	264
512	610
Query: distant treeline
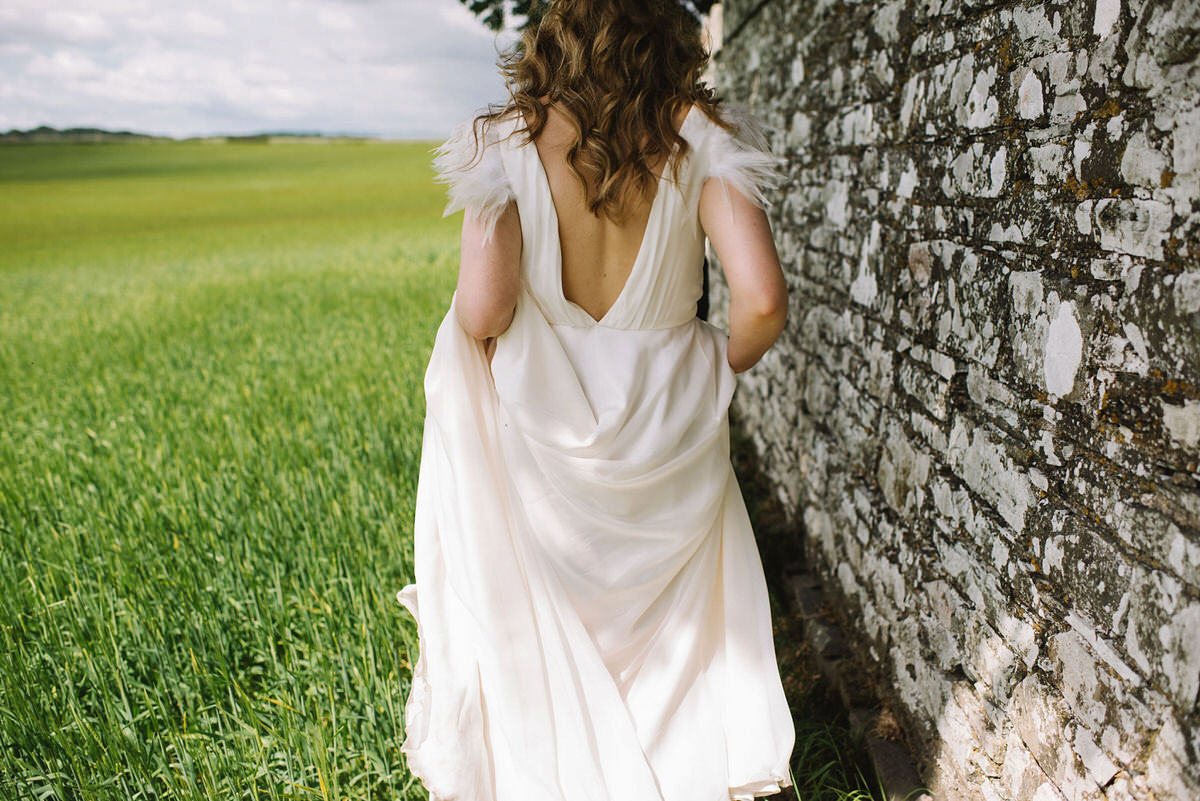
44	133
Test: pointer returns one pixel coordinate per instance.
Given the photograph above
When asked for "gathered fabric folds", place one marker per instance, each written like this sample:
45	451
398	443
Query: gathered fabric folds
592	615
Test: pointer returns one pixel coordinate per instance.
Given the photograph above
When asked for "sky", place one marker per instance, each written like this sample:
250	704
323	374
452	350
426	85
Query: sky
391	68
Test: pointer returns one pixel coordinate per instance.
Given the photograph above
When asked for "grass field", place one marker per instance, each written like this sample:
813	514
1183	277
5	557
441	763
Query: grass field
210	364
210	367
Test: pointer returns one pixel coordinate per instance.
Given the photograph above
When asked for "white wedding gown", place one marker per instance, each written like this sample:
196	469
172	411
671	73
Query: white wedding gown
592	614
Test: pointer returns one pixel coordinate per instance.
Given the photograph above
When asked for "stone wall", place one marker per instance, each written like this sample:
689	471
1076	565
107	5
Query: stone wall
985	411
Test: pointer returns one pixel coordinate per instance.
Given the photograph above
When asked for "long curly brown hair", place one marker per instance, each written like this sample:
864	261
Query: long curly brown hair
620	71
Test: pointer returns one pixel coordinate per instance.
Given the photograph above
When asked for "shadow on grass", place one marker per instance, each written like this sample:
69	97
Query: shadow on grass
829	763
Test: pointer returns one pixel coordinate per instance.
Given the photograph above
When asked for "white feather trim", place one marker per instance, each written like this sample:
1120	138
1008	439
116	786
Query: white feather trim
475	181
743	159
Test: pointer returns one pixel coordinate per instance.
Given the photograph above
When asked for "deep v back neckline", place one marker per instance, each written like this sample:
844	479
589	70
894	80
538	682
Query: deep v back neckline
638	258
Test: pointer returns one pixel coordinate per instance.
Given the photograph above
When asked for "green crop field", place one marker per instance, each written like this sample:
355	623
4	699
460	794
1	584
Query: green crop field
210	375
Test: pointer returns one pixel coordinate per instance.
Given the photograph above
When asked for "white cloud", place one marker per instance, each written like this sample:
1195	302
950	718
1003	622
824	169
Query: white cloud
398	68
62	65
458	16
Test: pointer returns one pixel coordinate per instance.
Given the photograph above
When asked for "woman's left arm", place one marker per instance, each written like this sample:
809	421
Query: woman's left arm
489	273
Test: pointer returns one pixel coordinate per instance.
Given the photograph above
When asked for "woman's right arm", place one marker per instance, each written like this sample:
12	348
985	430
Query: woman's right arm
489	273
741	236
489	270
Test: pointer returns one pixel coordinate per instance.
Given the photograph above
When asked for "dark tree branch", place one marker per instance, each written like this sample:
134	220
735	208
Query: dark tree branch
495	13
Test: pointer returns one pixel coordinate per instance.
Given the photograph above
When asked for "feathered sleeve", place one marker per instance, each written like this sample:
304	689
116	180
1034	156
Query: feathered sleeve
473	173
742	159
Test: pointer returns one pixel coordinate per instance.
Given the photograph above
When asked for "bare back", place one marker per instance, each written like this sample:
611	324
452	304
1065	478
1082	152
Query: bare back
598	254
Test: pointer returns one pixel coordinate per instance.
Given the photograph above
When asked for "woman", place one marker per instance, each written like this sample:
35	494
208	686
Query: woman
592	615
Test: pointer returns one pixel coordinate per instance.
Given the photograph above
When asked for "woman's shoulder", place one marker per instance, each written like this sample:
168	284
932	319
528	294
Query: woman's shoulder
729	125
482	130
734	148
471	166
